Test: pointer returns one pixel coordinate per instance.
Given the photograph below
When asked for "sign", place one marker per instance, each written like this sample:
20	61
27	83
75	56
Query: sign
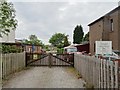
103	47
35	56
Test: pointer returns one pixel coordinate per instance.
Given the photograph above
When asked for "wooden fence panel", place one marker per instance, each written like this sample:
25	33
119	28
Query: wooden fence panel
100	73
0	70
11	63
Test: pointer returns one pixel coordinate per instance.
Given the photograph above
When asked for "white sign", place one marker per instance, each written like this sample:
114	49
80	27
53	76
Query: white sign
103	47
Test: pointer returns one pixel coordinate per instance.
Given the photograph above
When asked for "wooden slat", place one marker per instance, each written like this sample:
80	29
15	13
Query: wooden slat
58	59
11	63
100	73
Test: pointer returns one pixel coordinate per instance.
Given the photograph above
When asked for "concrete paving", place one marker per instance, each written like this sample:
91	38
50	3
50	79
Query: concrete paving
0	86
45	77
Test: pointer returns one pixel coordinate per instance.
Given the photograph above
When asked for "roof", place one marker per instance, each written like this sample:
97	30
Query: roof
69	47
117	8
96	21
17	44
82	43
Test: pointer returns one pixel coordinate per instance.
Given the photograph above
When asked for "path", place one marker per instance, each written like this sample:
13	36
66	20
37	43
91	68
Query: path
45	77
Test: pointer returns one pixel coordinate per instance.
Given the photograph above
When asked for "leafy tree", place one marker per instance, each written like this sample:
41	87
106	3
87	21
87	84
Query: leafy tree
57	40
46	47
86	38
66	42
34	40
7	17
33	37
78	34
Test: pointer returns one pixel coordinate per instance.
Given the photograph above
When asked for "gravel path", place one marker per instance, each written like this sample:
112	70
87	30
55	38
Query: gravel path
45	77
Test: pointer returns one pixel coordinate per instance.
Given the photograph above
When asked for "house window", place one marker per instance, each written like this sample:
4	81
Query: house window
111	24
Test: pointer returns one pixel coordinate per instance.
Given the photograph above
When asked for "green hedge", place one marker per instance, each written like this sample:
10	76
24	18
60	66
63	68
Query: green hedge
10	49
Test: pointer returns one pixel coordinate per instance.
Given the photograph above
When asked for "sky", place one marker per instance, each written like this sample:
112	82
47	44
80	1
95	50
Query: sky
47	17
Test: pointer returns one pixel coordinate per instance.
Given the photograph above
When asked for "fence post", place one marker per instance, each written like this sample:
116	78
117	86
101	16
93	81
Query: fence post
119	74
73	59
50	60
26	59
116	74
1	70
111	74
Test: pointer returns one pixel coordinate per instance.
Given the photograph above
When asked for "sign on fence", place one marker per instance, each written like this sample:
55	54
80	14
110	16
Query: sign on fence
103	47
35	56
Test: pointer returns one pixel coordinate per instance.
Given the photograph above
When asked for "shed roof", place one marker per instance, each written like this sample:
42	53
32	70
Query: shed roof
17	44
69	47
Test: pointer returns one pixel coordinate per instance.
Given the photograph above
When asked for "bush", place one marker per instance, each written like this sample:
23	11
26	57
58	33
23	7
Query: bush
10	49
60	50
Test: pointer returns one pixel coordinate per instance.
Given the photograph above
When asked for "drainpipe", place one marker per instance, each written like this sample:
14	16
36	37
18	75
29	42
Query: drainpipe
119	26
103	30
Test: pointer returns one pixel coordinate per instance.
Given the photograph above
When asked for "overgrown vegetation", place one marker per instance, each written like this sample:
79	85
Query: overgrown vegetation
10	49
88	86
60	50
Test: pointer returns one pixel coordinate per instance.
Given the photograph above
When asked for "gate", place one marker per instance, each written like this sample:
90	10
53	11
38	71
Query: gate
37	59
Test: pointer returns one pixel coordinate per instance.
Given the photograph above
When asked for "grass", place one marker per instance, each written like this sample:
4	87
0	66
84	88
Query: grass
73	70
89	86
86	85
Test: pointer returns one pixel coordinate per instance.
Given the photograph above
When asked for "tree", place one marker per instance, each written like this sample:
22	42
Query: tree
78	34
86	38
46	47
66	42
33	37
7	18
57	40
34	41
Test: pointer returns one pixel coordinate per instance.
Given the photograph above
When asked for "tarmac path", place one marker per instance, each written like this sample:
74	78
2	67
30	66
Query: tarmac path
45	77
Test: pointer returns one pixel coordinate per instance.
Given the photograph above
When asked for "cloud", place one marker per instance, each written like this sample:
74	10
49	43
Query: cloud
46	18
71	1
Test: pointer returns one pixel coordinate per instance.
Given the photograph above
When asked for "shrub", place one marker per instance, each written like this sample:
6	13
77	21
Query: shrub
10	49
60	50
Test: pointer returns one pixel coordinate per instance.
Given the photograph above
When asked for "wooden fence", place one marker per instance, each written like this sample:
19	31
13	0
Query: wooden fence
99	73
0	70
12	63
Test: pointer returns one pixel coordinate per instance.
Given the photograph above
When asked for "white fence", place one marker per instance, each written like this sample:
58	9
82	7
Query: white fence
11	63
98	72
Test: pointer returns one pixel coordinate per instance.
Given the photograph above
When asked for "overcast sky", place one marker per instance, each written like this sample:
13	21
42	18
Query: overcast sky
44	18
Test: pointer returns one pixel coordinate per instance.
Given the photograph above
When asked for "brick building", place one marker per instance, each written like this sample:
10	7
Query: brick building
106	28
